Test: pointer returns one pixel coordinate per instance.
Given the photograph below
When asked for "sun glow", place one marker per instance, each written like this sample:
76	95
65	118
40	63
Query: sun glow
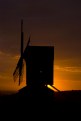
66	81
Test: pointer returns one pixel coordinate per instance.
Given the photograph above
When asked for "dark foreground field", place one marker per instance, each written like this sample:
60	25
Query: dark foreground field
41	103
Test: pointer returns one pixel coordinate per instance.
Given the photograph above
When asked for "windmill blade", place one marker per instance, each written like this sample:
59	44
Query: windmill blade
17	67
16	72
27	45
21	71
28	41
21	65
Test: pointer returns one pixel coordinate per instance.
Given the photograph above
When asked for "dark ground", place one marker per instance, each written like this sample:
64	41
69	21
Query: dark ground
41	103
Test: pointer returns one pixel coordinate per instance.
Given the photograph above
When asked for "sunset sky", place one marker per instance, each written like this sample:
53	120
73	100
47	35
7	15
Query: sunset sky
50	22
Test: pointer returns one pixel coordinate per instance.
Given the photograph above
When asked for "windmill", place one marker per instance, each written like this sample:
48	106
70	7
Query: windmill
39	65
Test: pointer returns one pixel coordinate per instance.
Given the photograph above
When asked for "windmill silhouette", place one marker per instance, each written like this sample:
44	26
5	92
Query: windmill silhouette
39	65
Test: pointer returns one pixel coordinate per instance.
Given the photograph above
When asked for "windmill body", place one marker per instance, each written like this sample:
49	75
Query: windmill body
39	65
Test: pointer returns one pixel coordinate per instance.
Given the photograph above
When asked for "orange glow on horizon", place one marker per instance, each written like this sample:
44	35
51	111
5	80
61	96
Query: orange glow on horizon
63	84
65	77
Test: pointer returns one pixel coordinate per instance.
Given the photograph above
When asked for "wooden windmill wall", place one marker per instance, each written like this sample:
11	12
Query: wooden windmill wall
39	65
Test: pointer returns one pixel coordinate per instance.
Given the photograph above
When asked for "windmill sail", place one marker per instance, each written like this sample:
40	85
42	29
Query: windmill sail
20	65
21	62
19	68
19	71
21	38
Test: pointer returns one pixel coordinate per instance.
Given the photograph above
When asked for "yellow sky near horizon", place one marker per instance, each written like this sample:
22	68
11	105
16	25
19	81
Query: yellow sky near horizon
65	77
